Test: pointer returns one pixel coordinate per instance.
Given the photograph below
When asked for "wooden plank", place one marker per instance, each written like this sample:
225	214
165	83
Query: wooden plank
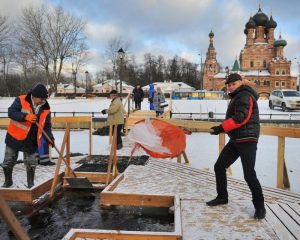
67	119
114	183
177	215
12	222
16	194
119	235
186	159
295	207
286	220
280	162
59	161
234	184
126	199
41	189
94	177
292	213
90	136
277	225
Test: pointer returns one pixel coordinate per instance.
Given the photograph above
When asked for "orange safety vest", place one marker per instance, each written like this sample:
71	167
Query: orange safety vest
20	130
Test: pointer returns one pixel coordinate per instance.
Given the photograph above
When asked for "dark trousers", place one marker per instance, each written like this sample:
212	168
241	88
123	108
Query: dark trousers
137	105
247	152
119	129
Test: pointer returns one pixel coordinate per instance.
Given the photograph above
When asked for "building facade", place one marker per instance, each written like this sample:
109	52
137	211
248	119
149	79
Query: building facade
262	59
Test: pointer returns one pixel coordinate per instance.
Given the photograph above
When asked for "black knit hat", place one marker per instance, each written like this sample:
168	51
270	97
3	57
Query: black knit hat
233	77
40	91
113	92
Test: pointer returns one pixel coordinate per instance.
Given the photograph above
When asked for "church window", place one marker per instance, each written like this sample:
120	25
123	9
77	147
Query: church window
282	83
277	72
265	63
277	84
210	68
283	72
251	63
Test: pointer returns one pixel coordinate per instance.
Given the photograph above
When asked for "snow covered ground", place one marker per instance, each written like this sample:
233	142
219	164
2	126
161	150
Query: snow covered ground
202	148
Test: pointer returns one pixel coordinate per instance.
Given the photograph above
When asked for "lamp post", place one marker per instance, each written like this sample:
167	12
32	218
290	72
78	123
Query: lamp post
74	79
201	75
86	79
121	55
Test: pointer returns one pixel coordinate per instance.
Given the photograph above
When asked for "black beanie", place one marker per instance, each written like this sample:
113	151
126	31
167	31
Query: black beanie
233	77
40	91
113	92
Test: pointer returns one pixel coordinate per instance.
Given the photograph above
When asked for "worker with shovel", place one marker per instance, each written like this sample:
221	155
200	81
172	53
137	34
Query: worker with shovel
23	134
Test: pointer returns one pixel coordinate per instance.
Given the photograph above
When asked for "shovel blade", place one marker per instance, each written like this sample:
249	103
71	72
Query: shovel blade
79	182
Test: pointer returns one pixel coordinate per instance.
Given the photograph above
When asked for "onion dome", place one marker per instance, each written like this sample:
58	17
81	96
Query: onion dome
250	23
260	18
280	42
271	23
246	31
211	34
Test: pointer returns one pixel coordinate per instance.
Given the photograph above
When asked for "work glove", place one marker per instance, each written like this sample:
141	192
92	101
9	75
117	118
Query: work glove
31	118
52	143
104	111
217	130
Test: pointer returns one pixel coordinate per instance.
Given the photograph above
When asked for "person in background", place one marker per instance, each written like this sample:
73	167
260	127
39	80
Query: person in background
115	115
138	96
23	135
158	99
150	97
242	126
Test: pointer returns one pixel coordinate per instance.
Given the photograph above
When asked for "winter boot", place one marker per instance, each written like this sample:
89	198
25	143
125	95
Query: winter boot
260	210
30	176
8	177
217	201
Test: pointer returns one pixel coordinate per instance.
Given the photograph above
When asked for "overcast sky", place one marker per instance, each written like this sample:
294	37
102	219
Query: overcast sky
169	27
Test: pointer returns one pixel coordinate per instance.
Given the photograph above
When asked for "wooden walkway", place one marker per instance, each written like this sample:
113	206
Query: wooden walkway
232	221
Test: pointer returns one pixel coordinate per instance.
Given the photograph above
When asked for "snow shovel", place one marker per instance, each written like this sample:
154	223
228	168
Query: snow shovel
76	182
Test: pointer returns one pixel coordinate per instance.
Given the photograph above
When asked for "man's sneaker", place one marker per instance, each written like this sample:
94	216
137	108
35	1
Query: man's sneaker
260	213
48	163
217	201
119	146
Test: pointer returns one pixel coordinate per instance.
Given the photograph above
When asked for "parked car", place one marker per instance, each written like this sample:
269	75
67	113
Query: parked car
286	99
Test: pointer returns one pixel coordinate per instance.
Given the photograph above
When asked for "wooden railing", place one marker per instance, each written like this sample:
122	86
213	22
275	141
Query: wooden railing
279	132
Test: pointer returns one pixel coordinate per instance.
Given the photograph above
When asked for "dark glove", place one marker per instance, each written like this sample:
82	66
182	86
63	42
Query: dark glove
217	130
104	111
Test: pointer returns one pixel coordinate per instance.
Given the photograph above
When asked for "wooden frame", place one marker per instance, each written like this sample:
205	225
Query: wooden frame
29	195
108	197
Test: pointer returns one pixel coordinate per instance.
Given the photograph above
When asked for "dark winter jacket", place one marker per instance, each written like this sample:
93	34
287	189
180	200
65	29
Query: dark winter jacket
28	145
138	94
242	116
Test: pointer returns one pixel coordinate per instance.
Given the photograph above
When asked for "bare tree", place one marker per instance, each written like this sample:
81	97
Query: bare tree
50	37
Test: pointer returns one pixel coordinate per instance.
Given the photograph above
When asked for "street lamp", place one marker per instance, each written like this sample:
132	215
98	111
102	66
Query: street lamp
201	75
86	79
121	55
74	79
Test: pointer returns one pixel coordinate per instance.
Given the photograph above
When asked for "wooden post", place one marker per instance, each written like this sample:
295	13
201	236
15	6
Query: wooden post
56	173
67	170
12	222
110	134
113	145
90	136
187	161
179	158
221	146
126	125
282	175
115	169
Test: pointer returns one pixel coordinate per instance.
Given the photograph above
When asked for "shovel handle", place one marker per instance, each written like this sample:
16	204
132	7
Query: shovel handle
52	143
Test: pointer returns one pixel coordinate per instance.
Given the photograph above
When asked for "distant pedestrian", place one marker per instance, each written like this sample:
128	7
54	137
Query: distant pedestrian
23	135
138	96
150	97
158	99
115	115
242	126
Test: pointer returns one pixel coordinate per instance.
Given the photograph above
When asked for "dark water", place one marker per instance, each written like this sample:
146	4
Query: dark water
81	209
99	163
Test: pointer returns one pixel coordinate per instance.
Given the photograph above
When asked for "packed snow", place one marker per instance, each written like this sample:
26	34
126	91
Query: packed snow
202	148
